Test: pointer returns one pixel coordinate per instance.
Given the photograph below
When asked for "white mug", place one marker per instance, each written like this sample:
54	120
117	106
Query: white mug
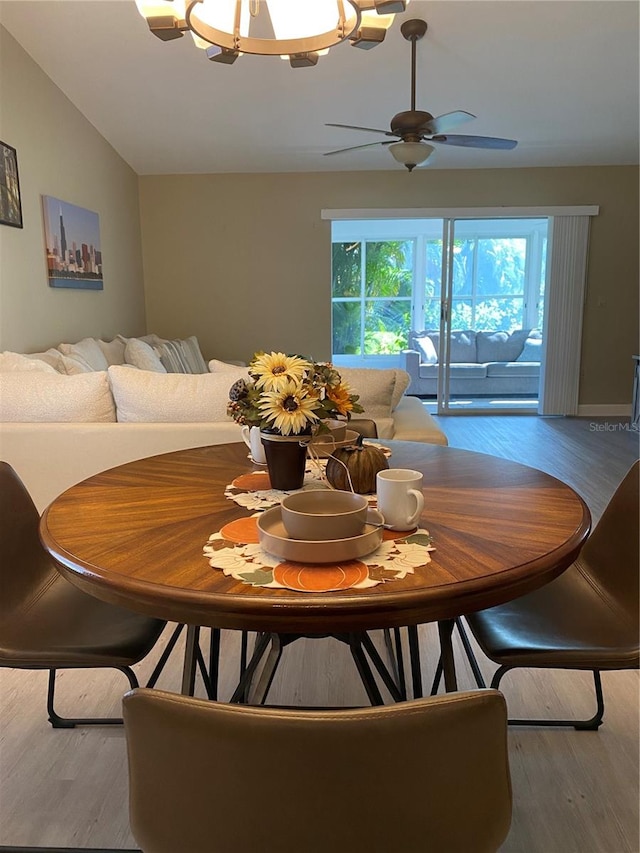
400	498
251	437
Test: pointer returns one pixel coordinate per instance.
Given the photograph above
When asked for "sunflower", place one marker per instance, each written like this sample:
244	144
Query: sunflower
341	398
273	371
290	409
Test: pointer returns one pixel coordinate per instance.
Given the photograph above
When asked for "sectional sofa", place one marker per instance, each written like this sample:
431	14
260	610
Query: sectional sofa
77	409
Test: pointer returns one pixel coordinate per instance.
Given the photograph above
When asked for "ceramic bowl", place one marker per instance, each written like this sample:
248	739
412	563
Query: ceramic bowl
321	514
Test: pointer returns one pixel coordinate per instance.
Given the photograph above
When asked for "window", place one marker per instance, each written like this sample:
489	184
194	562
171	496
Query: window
387	279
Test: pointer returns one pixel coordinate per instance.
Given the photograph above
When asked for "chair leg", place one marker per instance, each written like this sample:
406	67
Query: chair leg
593	724
59	722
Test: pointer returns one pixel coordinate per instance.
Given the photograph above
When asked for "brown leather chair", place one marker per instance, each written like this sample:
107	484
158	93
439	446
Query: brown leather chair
586	619
426	775
364	426
46	622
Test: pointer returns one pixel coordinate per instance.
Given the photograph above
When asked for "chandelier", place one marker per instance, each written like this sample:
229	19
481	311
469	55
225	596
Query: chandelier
297	30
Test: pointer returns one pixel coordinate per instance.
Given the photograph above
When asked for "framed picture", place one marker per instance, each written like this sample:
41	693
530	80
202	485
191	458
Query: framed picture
10	206
72	238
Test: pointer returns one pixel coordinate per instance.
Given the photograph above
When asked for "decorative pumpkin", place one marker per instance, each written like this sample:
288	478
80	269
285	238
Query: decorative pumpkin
362	463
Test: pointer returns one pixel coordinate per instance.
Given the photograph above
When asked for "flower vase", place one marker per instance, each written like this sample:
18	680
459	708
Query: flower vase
286	460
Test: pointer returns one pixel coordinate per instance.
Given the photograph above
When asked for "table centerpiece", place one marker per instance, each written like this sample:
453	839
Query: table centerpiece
290	399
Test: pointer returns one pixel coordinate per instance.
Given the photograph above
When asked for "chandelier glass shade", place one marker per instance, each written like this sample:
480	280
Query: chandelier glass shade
297	30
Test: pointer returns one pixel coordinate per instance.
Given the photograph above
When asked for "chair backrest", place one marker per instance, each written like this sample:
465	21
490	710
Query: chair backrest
427	775
24	564
612	552
364	426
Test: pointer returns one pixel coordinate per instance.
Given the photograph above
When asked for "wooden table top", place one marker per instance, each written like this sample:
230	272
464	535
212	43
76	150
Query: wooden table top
134	536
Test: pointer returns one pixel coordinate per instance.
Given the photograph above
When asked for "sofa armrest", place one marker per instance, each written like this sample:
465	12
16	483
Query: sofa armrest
412	422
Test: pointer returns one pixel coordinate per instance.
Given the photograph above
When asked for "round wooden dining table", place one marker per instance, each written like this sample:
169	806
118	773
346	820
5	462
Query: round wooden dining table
134	536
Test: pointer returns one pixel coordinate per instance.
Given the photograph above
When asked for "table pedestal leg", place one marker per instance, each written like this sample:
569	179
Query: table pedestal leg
189	667
414	657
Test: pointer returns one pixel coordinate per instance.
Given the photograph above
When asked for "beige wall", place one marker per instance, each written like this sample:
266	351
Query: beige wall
243	261
62	155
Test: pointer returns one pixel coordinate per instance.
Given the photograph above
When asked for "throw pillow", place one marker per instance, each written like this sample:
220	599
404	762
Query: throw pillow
143	356
499	346
428	354
181	356
145	397
86	351
52	398
52	357
72	366
113	350
11	362
375	387
531	351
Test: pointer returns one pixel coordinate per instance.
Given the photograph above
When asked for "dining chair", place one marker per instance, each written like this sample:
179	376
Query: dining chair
366	427
48	623
586	619
426	775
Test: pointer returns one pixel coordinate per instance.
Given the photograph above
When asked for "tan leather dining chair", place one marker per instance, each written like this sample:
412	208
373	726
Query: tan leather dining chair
586	619
426	775
46	622
364	427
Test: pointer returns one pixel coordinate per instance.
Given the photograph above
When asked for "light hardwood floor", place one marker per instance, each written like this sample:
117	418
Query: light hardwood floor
574	792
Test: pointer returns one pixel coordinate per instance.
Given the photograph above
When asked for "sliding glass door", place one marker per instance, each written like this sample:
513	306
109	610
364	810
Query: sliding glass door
491	314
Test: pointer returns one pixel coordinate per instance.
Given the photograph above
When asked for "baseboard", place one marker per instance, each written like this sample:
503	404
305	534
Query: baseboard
607	410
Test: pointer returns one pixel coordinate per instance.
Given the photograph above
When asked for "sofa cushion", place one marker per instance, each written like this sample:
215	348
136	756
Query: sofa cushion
50	397
456	371
233	371
376	389
143	356
16	362
500	346
142	396
531	351
86	352
514	369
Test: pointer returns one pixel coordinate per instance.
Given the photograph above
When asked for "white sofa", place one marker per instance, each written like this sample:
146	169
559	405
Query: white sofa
59	428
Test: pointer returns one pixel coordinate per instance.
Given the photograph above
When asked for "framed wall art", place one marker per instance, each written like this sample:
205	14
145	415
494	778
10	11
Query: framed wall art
72	238
10	205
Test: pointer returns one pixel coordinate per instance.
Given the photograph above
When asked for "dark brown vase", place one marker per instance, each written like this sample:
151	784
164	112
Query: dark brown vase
286	460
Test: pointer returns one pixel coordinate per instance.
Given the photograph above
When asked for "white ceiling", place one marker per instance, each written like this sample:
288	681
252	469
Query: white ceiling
560	76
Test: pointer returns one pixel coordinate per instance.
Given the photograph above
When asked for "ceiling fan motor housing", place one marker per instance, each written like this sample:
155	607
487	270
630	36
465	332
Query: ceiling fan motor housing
408	124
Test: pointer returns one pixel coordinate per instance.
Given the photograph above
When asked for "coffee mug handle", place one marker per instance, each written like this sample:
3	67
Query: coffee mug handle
419	497
246	435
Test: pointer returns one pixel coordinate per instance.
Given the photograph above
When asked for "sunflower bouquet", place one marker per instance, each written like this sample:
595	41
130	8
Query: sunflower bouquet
291	395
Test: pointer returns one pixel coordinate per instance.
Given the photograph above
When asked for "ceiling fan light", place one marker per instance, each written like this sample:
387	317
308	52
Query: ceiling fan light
221	54
411	154
368	37
390	7
303	60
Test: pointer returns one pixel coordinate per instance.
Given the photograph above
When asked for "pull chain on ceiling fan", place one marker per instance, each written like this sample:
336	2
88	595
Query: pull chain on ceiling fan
412	127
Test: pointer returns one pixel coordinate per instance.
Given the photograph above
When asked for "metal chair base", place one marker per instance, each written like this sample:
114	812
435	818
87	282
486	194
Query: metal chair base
592	724
59	722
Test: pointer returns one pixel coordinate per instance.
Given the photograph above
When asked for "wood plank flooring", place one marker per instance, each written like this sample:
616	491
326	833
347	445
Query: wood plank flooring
574	792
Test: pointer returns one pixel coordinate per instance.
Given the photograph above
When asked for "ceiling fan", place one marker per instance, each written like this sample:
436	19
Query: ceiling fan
413	126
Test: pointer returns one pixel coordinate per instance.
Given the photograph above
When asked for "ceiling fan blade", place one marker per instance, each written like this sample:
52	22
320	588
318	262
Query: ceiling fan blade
447	121
355	147
474	141
368	129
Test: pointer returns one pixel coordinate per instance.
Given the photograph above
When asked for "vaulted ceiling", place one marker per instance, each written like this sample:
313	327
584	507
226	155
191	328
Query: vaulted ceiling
560	76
